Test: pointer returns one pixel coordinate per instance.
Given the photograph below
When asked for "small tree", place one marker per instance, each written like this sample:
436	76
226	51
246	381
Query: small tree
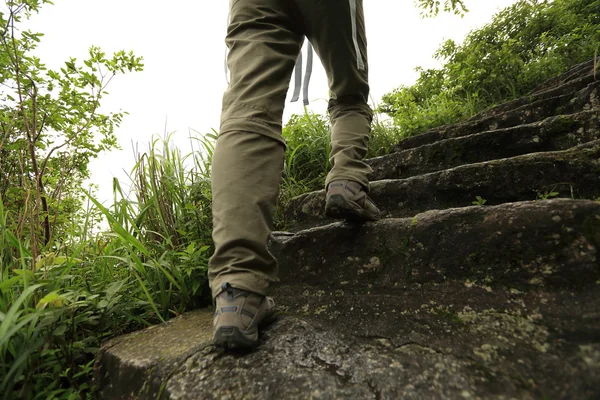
50	127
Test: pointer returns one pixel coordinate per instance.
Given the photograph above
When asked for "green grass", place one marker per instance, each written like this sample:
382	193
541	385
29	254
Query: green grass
150	265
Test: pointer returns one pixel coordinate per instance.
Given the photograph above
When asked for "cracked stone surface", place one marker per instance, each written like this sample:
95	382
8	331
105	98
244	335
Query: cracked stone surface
572	173
441	299
305	361
554	134
551	243
480	353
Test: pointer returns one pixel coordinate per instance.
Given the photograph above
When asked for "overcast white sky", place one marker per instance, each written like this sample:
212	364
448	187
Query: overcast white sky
182	43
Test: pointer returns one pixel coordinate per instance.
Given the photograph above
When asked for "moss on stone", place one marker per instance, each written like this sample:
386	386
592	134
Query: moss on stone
565	121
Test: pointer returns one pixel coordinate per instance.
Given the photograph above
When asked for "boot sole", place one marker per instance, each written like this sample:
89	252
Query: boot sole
230	337
338	207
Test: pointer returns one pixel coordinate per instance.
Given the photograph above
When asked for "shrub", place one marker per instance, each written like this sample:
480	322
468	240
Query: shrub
524	45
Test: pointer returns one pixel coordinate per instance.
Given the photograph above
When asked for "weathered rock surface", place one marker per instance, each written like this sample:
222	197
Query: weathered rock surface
556	133
462	354
573	173
525	245
138	365
440	299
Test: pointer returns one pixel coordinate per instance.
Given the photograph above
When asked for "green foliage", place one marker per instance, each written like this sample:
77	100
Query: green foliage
431	8
50	127
479	201
384	135
524	45
546	195
58	307
422	106
170	220
54	317
306	162
308	146
63	288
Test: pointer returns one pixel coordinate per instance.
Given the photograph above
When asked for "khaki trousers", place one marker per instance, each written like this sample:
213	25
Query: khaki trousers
264	38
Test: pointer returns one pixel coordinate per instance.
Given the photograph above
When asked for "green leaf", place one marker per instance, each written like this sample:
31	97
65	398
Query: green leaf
114	288
8	283
52	299
14	311
60	330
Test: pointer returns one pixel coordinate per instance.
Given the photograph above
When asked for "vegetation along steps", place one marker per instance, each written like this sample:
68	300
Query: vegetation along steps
569	97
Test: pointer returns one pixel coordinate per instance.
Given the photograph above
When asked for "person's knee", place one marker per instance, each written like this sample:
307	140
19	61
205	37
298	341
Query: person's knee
263	125
352	105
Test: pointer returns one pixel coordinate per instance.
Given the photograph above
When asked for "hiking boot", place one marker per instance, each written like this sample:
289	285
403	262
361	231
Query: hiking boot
238	315
348	200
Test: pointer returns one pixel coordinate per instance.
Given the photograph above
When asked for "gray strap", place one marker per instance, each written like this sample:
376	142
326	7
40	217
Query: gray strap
297	78
359	60
309	64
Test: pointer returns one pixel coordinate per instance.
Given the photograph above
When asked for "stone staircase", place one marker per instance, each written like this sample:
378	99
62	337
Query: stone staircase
441	299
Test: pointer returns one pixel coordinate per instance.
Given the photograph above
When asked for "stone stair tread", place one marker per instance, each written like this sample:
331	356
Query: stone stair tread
567	76
570	173
136	364
393	314
521	111
446	342
552	98
554	133
462	318
533	244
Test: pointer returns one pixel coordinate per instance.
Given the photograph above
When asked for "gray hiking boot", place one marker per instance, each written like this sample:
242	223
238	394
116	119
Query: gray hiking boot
238	315
348	200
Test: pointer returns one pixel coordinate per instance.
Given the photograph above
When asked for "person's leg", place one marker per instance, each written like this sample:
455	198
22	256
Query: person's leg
337	31
247	164
246	170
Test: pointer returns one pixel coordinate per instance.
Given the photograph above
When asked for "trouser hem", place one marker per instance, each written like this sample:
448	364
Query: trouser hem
247	281
345	176
248	125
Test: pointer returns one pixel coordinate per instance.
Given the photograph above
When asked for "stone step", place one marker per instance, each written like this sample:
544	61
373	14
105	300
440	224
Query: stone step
571	74
138	365
526	245
572	97
573	173
520	336
552	134
454	340
577	94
